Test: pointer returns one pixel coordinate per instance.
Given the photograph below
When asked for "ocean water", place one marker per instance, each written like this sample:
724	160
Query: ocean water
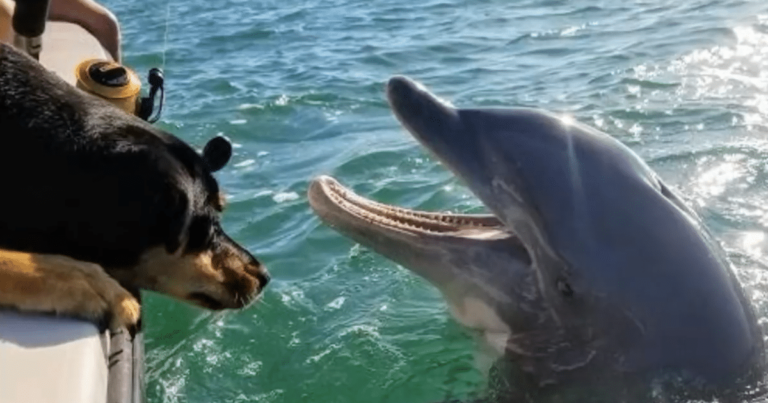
298	87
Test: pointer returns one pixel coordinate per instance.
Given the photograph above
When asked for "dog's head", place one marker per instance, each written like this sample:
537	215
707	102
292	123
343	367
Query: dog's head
196	261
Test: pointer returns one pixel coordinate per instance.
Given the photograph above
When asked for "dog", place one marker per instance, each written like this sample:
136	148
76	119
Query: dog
97	204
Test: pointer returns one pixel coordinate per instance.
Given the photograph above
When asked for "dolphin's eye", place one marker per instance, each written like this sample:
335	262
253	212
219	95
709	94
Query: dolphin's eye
564	287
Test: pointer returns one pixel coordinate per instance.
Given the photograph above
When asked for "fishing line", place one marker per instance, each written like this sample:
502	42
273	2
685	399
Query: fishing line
165	35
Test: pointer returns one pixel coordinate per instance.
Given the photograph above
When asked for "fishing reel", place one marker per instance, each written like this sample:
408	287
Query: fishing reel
121	86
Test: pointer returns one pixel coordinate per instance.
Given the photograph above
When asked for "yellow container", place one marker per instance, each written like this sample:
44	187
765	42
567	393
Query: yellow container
111	81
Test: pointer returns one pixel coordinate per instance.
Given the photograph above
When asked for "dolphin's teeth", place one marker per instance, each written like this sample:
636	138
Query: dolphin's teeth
392	220
403	218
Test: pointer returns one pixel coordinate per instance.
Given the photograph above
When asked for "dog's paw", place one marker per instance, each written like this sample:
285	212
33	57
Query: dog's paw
65	286
91	293
126	312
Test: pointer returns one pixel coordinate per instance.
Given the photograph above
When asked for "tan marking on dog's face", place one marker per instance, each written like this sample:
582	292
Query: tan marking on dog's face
225	276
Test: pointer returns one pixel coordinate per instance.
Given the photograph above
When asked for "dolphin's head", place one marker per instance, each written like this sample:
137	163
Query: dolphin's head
588	261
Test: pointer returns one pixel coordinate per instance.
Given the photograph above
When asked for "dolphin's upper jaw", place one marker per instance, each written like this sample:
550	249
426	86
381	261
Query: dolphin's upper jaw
405	94
430	119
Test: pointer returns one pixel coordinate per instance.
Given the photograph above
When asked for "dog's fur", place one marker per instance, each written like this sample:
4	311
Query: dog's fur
92	197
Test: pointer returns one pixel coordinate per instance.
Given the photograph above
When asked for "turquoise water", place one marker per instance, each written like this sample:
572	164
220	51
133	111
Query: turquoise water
298	86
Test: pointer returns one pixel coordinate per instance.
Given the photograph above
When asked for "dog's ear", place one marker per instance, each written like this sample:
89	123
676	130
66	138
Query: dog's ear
217	153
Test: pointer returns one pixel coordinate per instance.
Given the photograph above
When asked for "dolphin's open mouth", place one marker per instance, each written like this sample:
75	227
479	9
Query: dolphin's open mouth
330	197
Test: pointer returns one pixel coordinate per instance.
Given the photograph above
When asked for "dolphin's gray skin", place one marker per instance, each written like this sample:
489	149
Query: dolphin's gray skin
590	273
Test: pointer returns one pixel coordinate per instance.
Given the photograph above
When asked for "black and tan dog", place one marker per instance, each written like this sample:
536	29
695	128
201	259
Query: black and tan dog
96	204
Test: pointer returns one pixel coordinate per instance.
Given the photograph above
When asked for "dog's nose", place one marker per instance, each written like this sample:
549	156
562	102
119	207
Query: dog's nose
263	277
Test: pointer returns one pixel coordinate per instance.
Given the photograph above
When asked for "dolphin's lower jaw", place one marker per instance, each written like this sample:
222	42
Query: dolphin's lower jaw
330	199
430	244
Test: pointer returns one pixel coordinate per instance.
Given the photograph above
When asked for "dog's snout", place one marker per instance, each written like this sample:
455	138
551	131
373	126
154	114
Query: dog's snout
247	276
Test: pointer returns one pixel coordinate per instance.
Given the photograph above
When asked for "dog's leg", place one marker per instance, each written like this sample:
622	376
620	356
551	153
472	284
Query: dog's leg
32	282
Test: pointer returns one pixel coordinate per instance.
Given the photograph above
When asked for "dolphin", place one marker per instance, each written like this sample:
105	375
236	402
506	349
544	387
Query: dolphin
588	274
